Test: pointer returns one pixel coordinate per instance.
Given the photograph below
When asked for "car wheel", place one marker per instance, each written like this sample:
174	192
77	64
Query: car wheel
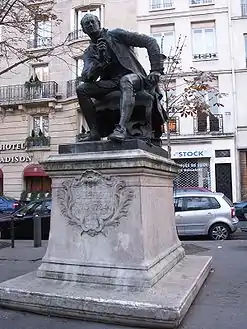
219	231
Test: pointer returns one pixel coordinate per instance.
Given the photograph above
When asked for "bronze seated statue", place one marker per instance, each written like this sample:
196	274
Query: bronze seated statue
144	123
118	99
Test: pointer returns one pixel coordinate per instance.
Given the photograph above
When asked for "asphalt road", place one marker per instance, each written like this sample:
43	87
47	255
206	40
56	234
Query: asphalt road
221	303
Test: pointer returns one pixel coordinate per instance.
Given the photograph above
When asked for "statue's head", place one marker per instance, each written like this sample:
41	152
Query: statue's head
90	24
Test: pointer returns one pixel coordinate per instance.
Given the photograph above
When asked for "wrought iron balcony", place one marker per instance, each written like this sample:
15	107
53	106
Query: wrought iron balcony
244	9
161	4
28	93
77	34
71	87
206	56
37	141
39	42
201	2
208	124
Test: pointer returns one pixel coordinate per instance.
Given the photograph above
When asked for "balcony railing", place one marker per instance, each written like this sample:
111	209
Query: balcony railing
19	94
202	57
71	88
161	4
244	9
201	2
77	34
208	124
37	141
39	42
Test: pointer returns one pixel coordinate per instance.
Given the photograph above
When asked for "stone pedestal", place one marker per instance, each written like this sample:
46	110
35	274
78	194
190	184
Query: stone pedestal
113	253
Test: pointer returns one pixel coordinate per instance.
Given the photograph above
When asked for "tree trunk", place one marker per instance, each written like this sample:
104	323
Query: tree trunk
168	138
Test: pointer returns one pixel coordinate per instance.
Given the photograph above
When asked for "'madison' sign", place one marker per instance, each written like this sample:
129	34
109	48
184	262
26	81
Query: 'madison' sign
15	159
12	147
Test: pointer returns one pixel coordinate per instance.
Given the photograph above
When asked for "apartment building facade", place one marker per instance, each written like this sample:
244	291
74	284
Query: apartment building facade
36	118
211	149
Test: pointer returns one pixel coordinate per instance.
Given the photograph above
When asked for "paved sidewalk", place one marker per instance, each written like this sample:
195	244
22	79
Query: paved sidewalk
19	260
221	303
23	251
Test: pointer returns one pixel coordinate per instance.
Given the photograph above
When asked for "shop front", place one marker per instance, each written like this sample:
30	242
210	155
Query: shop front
195	168
36	179
20	172
210	165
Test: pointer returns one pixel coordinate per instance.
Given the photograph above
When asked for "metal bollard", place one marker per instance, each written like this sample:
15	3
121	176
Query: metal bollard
37	231
12	227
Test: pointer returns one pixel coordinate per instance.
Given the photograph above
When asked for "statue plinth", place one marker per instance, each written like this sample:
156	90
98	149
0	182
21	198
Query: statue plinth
113	254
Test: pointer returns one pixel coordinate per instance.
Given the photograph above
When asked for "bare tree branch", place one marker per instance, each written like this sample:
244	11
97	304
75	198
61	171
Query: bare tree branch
24	21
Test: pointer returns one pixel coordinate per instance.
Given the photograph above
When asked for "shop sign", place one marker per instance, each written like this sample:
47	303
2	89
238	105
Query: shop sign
189	167
16	159
191	154
12	147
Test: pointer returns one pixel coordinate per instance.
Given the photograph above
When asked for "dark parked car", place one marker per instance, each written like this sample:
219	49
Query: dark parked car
8	205
241	210
23	220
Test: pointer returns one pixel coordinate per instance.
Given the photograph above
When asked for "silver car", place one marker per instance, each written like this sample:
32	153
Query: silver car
205	213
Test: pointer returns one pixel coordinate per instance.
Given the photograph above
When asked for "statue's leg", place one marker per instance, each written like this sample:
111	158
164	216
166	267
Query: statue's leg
129	84
148	114
85	92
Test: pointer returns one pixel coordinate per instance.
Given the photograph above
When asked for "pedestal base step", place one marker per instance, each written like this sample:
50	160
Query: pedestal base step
162	306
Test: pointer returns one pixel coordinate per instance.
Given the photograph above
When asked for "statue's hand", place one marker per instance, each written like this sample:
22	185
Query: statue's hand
153	78
102	48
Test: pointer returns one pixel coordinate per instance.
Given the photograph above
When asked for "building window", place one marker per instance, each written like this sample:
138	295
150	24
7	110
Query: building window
77	16
244	7
161	4
41	125
41	36
78	66
222	153
211	99
41	72
204	41
173	125
165	36
245	44
205	123
201	2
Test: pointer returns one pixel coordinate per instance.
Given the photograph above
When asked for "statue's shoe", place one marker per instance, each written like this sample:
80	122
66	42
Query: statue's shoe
89	137
119	134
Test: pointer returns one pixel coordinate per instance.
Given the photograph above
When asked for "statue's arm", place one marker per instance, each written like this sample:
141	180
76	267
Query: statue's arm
91	68
134	39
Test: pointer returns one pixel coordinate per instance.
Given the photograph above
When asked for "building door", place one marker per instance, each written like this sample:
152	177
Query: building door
223	174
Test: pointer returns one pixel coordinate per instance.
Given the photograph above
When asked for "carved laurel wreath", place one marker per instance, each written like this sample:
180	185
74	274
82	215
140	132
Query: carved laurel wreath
120	199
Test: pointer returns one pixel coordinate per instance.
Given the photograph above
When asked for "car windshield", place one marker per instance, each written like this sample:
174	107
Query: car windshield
29	207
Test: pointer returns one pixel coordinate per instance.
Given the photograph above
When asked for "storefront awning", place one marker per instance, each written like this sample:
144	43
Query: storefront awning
34	170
